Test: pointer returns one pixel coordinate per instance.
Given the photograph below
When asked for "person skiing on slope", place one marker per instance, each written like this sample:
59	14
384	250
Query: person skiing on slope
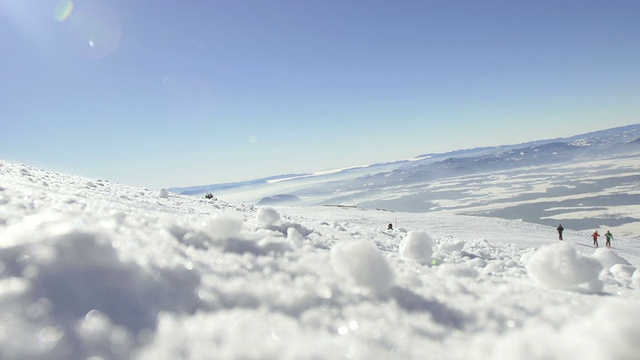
609	236
595	238
560	230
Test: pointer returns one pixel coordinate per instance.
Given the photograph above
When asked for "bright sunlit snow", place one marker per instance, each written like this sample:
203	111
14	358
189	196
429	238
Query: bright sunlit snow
91	269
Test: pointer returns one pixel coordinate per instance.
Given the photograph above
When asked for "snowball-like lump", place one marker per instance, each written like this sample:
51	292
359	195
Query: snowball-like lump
268	216
417	246
362	262
560	266
224	227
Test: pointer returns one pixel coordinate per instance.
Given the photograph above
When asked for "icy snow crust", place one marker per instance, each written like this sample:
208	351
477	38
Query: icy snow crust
92	269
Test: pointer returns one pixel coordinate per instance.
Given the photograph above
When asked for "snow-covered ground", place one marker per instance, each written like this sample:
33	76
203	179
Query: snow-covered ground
94	270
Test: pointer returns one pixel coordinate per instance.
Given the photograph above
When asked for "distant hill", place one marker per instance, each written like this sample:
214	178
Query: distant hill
362	181
279	200
203	189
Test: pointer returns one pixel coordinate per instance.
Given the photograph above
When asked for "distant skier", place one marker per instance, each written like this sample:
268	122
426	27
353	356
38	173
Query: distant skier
390	227
609	236
560	230
595	238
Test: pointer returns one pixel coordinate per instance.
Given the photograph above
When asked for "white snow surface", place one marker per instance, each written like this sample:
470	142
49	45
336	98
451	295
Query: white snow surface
94	270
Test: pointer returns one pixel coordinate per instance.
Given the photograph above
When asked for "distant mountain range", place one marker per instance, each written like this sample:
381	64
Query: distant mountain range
203	189
341	185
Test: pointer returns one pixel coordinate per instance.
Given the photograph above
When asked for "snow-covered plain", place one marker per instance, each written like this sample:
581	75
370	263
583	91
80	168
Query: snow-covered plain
91	269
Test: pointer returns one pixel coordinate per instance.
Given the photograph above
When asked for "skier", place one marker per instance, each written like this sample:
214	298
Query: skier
595	238
390	227
560	230
609	236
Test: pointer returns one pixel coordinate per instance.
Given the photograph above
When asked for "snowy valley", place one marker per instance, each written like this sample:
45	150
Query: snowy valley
91	269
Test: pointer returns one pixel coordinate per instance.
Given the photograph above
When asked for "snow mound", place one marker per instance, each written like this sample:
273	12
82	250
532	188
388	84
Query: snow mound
224	227
621	271
608	258
449	244
163	194
560	266
268	216
363	263
417	246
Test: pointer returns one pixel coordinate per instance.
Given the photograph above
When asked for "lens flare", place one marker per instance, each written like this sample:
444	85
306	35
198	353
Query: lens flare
62	10
95	30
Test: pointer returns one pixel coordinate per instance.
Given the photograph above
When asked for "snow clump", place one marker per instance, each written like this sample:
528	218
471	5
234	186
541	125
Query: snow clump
449	244
608	258
417	246
363	263
560	266
268	216
164	194
224	227
621	271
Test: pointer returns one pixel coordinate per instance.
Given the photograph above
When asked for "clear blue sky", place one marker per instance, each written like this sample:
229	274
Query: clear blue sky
176	93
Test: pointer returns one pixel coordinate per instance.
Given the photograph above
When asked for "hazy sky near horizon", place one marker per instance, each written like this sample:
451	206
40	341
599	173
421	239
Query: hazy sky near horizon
178	93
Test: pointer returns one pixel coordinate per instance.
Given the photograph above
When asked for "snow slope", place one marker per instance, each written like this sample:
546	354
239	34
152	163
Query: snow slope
90	269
